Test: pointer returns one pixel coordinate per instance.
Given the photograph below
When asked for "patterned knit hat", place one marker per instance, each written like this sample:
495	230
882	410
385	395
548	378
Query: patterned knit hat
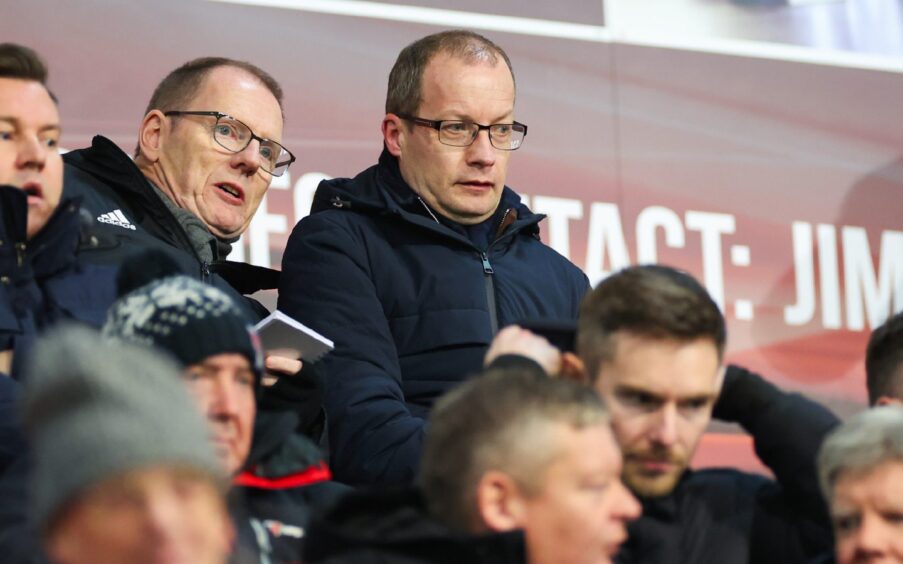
188	318
94	411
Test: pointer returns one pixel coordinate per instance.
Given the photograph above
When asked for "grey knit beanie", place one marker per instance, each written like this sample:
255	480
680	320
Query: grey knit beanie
185	317
94	410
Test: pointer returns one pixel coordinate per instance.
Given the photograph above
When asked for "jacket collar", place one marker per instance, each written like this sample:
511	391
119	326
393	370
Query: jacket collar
382	190
54	246
107	162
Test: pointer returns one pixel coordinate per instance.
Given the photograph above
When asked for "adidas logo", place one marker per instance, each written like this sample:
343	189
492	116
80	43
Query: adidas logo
116	217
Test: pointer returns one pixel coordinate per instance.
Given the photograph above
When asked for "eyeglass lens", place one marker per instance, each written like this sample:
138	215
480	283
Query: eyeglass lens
233	135
461	133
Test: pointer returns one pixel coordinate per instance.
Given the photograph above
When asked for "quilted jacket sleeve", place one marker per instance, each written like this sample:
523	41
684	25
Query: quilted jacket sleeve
326	284
787	429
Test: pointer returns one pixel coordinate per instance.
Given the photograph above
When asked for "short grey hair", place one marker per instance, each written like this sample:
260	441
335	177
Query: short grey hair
497	421
861	444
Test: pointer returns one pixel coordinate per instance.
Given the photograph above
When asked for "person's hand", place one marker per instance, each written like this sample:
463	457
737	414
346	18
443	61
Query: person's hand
519	341
6	362
277	366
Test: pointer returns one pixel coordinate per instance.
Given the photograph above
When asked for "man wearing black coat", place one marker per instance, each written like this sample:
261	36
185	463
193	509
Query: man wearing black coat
208	148
653	341
412	266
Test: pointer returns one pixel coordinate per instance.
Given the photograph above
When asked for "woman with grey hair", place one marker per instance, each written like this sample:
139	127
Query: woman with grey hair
860	467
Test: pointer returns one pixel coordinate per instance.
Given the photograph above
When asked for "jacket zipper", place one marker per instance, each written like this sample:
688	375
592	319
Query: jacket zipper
488	272
490	293
20	254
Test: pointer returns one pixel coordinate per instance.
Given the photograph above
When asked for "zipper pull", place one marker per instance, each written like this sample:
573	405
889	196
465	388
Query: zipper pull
487	268
20	254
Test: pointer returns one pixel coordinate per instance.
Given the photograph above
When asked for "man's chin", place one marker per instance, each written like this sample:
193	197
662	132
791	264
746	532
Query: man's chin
650	485
228	232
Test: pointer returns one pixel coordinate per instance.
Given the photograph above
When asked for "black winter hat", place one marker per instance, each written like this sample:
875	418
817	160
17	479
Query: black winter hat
190	319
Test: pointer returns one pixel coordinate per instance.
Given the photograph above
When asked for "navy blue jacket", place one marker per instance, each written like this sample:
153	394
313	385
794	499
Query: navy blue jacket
412	305
44	280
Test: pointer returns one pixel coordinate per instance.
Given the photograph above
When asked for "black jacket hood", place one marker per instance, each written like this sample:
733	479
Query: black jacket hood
381	190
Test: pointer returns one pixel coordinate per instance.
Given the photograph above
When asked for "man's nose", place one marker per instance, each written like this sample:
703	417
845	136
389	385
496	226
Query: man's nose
31	152
248	159
225	398
665	430
872	536
627	507
481	152
161	512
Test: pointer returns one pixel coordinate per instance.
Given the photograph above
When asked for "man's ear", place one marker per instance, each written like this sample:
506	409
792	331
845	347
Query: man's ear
500	503
888	400
150	135
573	369
393	134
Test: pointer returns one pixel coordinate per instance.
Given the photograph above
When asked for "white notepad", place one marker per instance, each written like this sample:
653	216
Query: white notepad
283	336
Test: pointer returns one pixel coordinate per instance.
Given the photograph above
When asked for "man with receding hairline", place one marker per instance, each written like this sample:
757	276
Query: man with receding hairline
413	265
209	144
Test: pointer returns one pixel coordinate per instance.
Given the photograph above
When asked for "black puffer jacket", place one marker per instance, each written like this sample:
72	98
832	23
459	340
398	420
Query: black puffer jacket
392	527
130	217
723	515
45	280
412	304
285	482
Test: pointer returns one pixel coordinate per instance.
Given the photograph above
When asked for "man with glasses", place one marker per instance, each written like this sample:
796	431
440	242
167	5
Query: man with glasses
412	266
208	147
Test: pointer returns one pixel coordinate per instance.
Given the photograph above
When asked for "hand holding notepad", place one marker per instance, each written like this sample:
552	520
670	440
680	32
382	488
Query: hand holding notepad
283	336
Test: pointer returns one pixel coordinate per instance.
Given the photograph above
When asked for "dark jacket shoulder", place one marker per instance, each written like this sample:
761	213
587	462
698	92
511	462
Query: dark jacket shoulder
393	526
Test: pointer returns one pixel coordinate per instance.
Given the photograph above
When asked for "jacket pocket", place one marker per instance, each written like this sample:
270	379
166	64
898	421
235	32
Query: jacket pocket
440	329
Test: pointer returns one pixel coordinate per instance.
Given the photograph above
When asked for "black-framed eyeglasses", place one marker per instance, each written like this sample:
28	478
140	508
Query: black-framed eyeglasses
234	135
460	133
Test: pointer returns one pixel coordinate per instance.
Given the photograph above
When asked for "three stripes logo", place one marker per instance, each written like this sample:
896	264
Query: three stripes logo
116	217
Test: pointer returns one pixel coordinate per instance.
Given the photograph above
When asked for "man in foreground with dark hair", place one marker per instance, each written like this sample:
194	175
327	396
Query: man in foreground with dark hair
517	467
413	265
652	342
884	363
41	277
208	146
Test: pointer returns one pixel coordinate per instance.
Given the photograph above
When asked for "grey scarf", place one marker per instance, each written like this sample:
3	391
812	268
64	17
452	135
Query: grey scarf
208	247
